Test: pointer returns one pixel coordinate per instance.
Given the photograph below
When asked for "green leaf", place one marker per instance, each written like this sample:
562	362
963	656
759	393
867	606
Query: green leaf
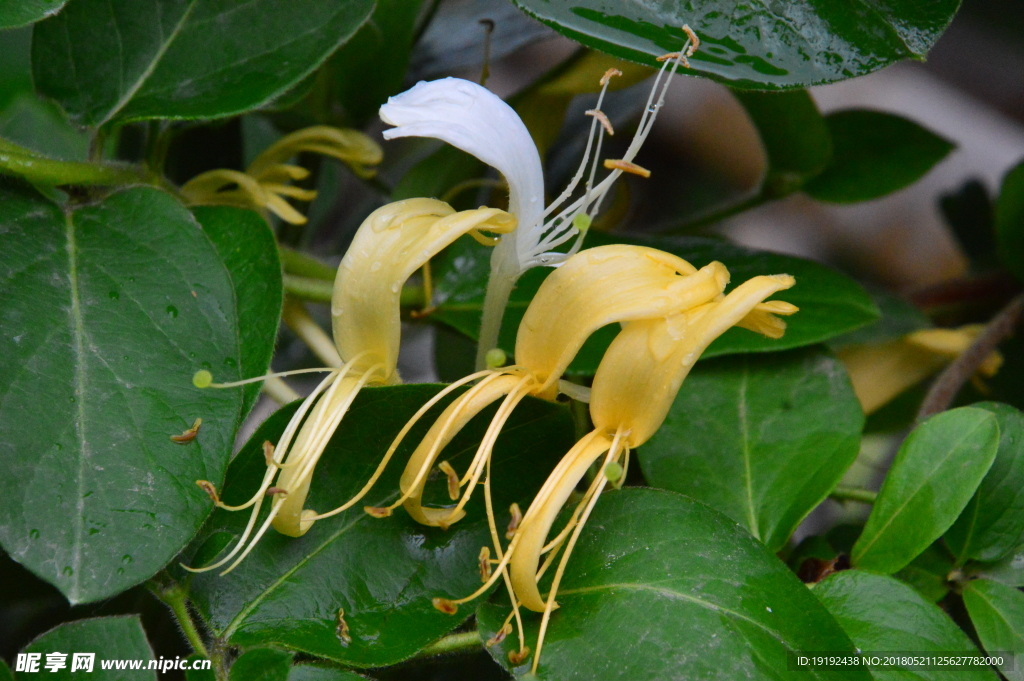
261	664
796	139
662	587
928	572
24	12
1010	221
997	613
5	672
761	439
107	60
969	212
371	66
992	525
199	674
382	573
875	154
313	673
110	638
882	615
761	46
110	309
830	303
1009	570
934	475
898	319
247	246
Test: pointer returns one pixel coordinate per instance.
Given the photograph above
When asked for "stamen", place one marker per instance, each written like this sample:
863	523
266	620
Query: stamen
453	479
626	167
513	524
485	564
608	75
517	657
341	631
210	490
268	453
377	511
271	491
498	637
602	119
445	605
204	379
188	435
694	40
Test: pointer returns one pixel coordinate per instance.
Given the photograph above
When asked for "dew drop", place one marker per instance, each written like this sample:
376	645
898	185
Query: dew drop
206	365
114	295
131	278
192	355
120	571
59	446
396	287
126	356
68	571
376	266
172	311
230	362
34	534
126	559
72	399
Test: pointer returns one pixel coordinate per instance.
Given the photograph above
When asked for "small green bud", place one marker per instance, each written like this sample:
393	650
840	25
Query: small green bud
202	379
613	471
495	358
581	221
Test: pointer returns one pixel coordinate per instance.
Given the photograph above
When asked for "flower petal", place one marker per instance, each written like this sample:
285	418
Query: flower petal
474	119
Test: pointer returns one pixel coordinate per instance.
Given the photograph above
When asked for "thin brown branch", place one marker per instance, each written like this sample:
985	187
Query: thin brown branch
949	382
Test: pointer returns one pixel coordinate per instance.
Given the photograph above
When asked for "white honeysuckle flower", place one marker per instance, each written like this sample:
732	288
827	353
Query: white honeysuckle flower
472	118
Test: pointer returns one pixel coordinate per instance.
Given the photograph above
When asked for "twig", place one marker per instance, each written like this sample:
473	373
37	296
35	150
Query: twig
864	496
949	382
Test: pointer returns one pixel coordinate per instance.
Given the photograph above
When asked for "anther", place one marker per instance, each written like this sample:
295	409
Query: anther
378	511
188	435
626	167
667	57
513	524
499	636
602	119
342	629
268	453
485	564
694	40
609	74
210	490
517	657
453	479
271	491
445	605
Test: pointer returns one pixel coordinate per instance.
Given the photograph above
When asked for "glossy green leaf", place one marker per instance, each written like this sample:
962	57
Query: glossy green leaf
198	673
110	638
23	12
1009	570
934	476
757	45
997	613
371	66
830	303
796	140
5	672
992	525
928	573
110	309
898	319
662	587
382	573
1010	221
875	154
261	664
249	251
106	60
882	615
763	439
312	673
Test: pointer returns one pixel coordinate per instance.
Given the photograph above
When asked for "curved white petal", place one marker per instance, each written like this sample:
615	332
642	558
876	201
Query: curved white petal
474	119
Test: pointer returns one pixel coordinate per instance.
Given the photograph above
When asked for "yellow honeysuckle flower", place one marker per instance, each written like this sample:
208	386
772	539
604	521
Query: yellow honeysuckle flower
390	245
594	288
880	372
475	120
266	182
633	390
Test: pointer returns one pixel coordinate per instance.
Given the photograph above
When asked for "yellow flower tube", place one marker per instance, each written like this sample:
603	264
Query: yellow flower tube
594	288
391	244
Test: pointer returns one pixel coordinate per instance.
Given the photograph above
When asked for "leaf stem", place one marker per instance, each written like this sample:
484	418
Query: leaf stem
319	291
864	496
296	262
173	596
463	642
945	388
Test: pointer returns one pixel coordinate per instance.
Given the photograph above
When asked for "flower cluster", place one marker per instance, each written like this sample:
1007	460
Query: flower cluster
669	311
